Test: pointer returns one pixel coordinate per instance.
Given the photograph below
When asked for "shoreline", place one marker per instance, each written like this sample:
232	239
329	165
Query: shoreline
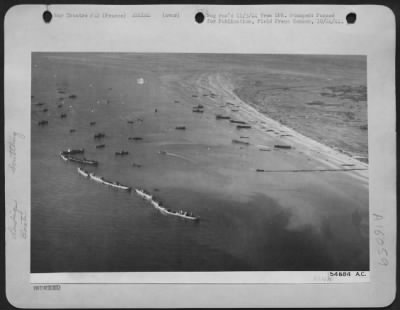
261	220
320	152
341	151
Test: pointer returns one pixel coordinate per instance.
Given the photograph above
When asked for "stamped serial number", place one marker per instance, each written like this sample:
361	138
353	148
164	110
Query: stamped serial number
347	274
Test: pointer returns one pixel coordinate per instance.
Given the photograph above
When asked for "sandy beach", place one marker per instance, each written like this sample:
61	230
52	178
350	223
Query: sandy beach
286	191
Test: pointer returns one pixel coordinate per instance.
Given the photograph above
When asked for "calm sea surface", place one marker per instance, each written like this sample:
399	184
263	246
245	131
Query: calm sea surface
79	225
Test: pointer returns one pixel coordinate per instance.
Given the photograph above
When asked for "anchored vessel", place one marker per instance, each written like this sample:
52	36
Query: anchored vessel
183	214
73	152
83	172
240	142
122	153
135	138
64	157
109	183
282	146
243	127
219	116
83	161
99	135
237	122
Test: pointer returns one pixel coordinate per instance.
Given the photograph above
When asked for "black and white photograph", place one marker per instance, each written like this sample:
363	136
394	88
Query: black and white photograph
198	162
200	156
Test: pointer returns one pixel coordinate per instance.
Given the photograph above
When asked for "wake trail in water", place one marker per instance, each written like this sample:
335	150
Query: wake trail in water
178	156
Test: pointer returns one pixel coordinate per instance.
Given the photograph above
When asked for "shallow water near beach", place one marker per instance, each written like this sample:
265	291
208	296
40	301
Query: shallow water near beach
248	221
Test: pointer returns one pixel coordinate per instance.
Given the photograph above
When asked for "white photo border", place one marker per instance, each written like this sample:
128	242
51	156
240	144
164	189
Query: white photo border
372	35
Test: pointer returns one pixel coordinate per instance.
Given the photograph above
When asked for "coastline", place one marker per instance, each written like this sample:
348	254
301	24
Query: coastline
320	152
200	169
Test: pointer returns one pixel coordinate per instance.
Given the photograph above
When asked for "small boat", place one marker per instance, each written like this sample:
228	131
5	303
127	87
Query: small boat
136	165
260	170
72	130
135	138
60	105
218	116
237	122
92	123
240	142
198	111
100	146
162	152
42	123
199	106
72	96
99	135
122	153
180	127
282	146
39	103
243	126
244	137
73	151
130	122
194	96
45	110
63	115
83	172
109	183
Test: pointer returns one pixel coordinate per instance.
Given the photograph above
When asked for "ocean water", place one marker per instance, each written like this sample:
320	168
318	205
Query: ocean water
247	222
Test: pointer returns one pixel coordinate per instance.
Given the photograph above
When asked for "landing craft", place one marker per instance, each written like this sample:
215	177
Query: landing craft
243	127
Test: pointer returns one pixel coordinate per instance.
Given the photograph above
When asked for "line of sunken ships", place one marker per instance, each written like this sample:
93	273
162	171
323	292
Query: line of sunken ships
71	155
